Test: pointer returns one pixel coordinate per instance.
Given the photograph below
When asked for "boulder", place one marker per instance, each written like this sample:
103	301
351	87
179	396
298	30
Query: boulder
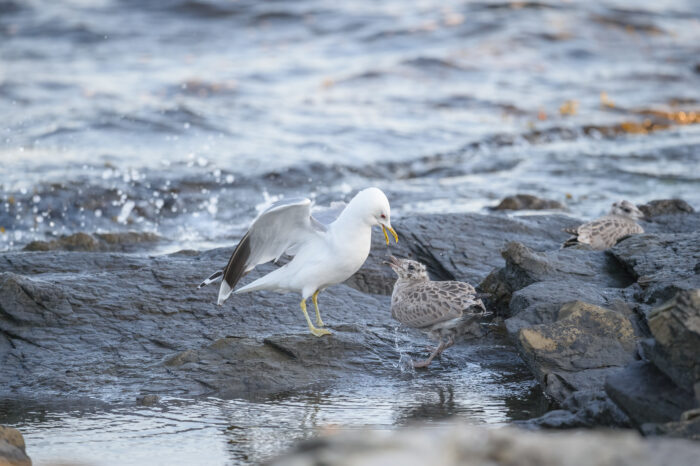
646	395
665	207
662	264
12	448
676	329
466	445
527	202
579	350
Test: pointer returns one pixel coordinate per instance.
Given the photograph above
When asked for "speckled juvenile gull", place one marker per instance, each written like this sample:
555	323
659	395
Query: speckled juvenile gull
442	309
325	252
605	232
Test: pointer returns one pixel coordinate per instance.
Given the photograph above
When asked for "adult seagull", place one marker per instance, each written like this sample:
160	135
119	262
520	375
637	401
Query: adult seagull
324	253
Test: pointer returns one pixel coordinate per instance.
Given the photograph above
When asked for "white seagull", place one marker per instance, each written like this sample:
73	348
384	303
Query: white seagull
325	254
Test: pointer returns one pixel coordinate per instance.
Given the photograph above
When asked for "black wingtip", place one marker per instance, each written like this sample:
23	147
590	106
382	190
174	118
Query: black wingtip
235	268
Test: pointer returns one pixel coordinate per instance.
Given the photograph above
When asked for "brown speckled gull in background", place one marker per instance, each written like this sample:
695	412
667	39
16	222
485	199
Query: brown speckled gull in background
606	231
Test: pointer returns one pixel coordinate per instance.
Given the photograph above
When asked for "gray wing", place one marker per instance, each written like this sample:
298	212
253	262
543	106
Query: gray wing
326	216
282	227
606	231
430	303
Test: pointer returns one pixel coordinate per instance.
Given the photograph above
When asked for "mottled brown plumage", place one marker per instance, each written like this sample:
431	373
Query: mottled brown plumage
441	309
605	232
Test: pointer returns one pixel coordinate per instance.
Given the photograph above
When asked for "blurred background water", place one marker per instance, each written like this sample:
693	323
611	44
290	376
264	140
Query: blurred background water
183	117
186	117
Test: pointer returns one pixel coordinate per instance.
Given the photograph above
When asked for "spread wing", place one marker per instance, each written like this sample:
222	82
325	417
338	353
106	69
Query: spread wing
426	304
281	228
326	216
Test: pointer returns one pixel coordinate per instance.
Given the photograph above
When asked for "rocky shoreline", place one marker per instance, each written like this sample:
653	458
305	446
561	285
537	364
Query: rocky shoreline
612	336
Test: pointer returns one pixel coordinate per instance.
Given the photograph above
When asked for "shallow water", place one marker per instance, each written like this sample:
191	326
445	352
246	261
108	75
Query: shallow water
187	117
215	431
182	117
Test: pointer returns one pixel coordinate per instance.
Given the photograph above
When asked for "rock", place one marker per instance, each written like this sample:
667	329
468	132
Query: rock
572	268
676	329
465	247
466	445
527	202
665	207
125	242
662	264
12	448
585	344
647	395
148	400
688	428
85	324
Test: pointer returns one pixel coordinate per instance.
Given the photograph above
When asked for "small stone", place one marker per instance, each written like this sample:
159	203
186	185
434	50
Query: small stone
527	202
148	400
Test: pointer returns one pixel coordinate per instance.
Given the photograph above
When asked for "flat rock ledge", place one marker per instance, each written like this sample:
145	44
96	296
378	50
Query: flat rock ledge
118	327
464	445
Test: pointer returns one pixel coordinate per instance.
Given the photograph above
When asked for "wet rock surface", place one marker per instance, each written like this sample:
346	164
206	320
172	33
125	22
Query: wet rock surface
118	242
87	324
112	325
579	350
579	318
12	448
459	444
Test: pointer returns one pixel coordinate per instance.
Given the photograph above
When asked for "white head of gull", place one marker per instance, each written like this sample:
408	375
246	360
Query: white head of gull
324	252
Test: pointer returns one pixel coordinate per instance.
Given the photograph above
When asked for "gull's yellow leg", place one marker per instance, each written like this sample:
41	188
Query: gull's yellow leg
319	332
314	298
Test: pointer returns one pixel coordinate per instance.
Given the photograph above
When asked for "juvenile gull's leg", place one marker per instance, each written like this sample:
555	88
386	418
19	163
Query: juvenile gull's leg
319	332
426	363
314	298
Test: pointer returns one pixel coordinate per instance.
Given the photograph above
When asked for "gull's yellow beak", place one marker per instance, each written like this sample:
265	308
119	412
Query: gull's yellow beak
393	233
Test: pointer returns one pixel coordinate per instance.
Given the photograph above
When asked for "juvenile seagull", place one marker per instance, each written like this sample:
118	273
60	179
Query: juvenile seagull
324	254
440	309
605	232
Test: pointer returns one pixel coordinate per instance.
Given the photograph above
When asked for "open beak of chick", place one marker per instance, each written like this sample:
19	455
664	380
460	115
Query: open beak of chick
393	262
391	230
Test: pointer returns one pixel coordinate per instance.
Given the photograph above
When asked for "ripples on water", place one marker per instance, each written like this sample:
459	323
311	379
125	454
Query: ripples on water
186	117
215	431
186	112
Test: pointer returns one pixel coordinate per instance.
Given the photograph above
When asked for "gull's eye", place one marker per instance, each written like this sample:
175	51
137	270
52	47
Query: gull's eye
627	209
383	216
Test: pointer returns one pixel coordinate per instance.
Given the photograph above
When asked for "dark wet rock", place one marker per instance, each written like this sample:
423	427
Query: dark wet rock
676	329
465	247
578	351
96	324
688	426
585	408
665	207
527	202
466	445
568	271
148	400
124	242
646	395
12	448
662	264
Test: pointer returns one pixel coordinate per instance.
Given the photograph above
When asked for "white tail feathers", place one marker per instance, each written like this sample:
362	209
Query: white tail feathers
224	292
